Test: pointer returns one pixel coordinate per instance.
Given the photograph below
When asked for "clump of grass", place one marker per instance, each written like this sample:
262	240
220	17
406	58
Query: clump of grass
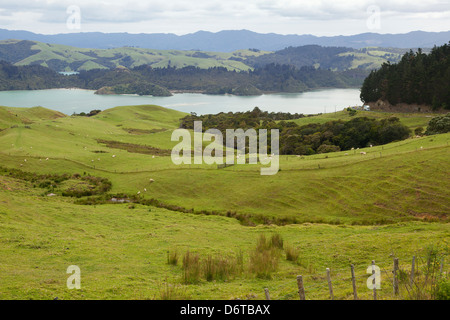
218	268
192	268
264	258
172	257
277	241
292	253
169	291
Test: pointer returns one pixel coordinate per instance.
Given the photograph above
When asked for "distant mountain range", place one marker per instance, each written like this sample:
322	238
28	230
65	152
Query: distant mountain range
231	40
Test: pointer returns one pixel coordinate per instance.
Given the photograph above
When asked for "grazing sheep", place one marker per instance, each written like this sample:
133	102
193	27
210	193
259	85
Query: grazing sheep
362	152
139	192
114	156
46	159
371	146
145	189
346	154
151	180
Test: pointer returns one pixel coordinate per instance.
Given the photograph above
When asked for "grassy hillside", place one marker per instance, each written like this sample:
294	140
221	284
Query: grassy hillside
66	58
332	209
15	116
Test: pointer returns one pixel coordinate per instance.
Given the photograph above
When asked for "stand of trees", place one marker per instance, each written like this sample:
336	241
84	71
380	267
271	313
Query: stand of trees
417	79
309	139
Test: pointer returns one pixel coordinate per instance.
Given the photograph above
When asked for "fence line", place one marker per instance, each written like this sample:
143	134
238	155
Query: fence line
394	272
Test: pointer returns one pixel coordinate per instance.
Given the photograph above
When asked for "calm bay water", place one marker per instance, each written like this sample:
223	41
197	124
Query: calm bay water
69	101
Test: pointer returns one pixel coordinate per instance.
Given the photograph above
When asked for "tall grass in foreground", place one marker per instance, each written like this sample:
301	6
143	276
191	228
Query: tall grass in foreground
265	256
292	253
429	281
211	268
191	268
172	257
169	291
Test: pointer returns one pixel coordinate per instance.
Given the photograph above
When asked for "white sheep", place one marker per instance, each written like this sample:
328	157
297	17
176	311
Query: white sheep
114	156
145	189
362	152
139	192
151	180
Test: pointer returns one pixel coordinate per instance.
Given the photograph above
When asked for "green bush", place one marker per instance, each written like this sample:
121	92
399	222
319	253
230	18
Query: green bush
443	290
439	124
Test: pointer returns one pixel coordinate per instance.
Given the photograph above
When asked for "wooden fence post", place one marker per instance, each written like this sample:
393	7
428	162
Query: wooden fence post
413	265
396	276
266	291
374	281
301	289
355	295
329	284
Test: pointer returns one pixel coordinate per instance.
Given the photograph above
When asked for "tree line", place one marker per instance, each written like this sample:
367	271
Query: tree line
418	78
158	81
307	139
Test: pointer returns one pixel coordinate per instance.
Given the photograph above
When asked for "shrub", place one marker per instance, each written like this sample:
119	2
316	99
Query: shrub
443	290
439	124
418	131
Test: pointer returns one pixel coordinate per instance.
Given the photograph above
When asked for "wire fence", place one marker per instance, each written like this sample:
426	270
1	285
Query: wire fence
397	279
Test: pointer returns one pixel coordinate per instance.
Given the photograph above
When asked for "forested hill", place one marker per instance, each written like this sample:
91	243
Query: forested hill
418	78
157	81
334	58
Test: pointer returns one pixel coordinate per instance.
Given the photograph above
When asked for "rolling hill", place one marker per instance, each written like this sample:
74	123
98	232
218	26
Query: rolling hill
66	58
330	210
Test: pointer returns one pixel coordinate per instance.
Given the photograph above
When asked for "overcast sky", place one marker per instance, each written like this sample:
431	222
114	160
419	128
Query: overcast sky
317	17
